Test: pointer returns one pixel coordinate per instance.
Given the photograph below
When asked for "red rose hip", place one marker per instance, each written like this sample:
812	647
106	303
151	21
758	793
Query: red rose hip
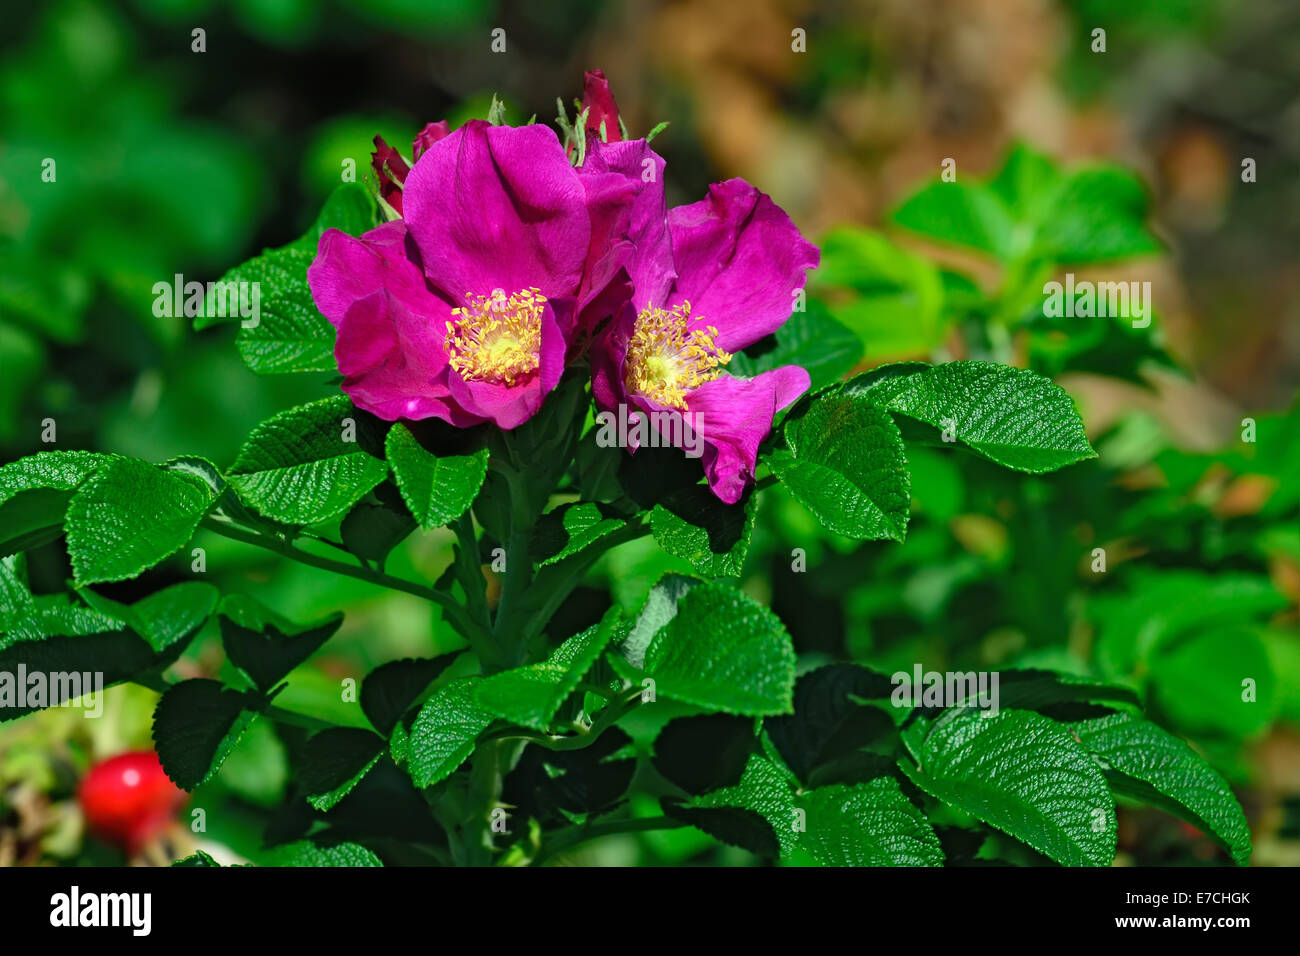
128	799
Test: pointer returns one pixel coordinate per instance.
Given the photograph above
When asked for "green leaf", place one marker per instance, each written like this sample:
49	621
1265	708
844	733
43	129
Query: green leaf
298	468
1033	211
25	617
443	735
660	607
308	854
111	651
528	461
34	496
164	617
571	528
371	531
1031	689
197	858
695	525
828	719
1098	215
811	339
390	689
597	468
76	646
703	752
290	334
258	770
1163	606
334	762
1027	182
1146	763
1200	682
1014	417
266	646
724	651
867	824
128	516
200	468
18	611
196	725
846	465
961	213
1022	773
767	826
890	299
530	695
437	489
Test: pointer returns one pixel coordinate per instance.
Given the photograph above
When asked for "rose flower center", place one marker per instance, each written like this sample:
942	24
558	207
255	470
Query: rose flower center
665	360
497	338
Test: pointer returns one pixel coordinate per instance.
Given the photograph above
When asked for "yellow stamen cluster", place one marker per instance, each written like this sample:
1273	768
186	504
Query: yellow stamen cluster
497	338
665	359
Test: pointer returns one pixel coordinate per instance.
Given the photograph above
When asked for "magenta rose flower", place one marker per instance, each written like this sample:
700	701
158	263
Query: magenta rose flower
462	309
623	184
707	280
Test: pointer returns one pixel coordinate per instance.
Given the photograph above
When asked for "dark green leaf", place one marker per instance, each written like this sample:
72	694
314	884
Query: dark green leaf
164	617
1038	689
828	720
266	646
334	761
390	689
764	796
705	751
695	525
571	528
371	531
196	725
